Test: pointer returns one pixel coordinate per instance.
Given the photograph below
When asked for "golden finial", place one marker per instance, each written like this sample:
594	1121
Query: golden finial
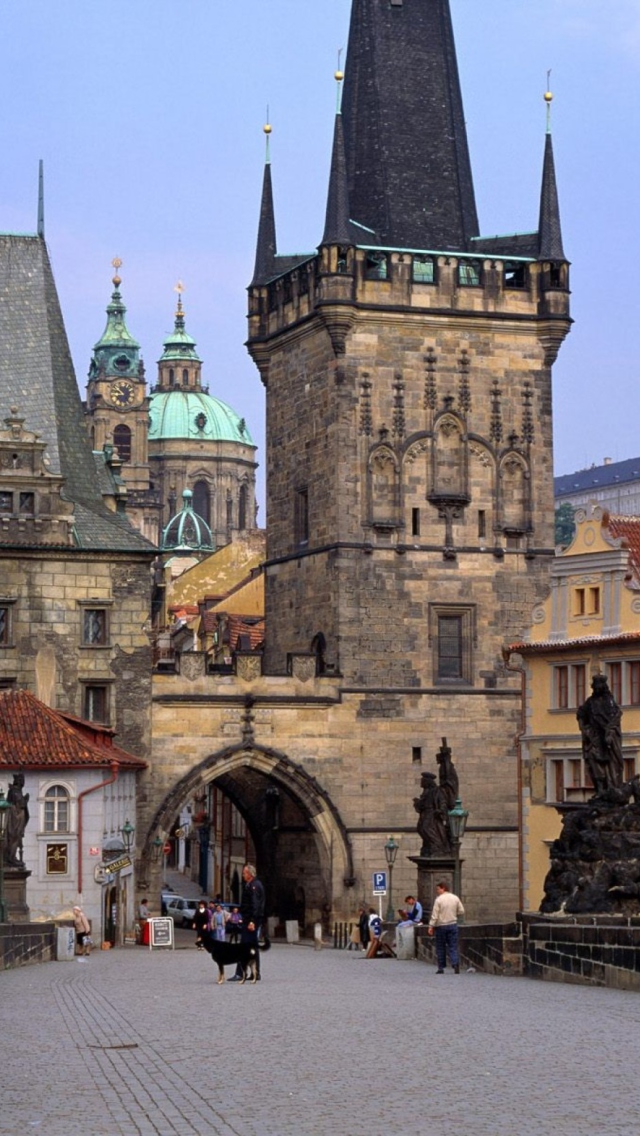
179	288
116	263
548	98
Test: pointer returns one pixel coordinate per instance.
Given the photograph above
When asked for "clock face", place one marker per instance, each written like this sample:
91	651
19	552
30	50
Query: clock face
122	393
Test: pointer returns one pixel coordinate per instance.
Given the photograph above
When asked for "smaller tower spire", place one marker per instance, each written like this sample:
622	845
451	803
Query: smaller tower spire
41	199
549	228
266	246
337	230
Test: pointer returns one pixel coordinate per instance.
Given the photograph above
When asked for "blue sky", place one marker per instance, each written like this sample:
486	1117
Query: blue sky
149	116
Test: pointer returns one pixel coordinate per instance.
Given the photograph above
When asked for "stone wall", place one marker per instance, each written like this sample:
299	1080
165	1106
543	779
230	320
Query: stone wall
22	944
596	950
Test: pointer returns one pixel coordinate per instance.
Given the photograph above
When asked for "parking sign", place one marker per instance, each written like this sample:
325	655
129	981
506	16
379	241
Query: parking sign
379	883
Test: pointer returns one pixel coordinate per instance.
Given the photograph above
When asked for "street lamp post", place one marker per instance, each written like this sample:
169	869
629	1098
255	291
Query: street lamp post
457	824
127	833
391	851
4	807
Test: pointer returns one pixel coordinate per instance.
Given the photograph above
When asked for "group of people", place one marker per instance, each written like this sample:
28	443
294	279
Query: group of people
443	925
218	921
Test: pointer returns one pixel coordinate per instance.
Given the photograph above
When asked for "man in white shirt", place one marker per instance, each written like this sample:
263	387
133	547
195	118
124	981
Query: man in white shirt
444	923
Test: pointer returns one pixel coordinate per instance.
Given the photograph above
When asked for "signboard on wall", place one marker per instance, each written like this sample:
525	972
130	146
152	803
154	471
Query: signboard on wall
161	933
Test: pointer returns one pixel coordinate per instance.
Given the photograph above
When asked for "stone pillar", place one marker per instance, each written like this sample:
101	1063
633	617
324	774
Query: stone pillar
15	894
431	870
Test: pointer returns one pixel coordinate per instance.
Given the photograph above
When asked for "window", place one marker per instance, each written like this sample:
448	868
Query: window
6	501
185	377
202	501
122	442
95	703
579	601
469	273
424	271
94	627
482	524
515	275
561	700
301	516
242	508
568	780
172	376
416	755
415	522
569	685
27	504
629	768
452	637
450	647
377	266
5	625
634	683
56	809
594	601
614	674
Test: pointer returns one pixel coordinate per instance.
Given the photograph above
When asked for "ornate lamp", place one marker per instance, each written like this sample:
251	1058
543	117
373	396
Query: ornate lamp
390	852
157	845
127	832
457	818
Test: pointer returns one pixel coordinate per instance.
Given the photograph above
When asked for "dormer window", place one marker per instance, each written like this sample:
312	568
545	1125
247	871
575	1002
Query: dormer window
469	273
377	266
424	270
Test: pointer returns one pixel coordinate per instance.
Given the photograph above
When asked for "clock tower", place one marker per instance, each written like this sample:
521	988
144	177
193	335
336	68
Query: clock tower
118	410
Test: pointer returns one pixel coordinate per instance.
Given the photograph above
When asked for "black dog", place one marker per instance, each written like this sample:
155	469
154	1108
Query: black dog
232	954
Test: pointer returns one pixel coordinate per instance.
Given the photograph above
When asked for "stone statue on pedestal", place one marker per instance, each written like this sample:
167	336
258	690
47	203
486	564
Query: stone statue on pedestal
431	807
17	819
599	719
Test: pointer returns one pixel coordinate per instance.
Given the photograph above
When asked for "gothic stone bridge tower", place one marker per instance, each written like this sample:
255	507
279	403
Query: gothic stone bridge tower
407	365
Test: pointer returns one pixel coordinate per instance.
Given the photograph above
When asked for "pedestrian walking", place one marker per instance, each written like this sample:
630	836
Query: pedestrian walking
252	914
83	932
444	924
218	923
200	923
234	924
363	924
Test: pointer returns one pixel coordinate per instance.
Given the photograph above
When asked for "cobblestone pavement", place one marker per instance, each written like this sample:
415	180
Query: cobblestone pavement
146	1044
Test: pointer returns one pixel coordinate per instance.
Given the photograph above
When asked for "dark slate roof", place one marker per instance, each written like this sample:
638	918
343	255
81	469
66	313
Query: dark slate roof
266	245
549	229
409	171
598	477
515	244
337	229
37	377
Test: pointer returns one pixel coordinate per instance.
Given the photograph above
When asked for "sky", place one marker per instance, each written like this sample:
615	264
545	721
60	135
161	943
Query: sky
149	114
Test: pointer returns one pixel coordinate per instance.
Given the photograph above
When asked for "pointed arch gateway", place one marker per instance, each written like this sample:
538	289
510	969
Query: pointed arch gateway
302	845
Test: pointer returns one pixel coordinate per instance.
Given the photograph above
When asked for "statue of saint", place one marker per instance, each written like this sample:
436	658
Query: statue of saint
432	826
448	776
599	720
17	818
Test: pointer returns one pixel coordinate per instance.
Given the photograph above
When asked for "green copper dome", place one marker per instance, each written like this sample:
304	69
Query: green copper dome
187	531
192	414
116	352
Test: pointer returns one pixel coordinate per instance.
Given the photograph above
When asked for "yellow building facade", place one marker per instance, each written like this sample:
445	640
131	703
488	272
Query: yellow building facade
590	624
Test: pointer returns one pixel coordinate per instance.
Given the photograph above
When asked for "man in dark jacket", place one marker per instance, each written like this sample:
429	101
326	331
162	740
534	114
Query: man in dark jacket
252	914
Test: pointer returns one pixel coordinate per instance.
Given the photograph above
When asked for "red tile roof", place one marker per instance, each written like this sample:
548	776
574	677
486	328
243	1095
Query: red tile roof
628	530
574	644
33	736
245	625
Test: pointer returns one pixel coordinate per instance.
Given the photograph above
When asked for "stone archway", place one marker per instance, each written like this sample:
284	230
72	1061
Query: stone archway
302	846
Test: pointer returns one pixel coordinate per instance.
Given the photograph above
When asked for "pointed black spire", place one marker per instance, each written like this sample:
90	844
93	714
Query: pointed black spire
337	230
408	166
266	247
549	230
41	199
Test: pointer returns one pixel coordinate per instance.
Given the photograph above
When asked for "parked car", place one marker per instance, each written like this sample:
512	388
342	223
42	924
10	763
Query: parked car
182	911
166	894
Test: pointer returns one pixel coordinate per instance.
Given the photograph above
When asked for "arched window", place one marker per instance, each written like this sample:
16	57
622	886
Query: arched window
185	377
171	376
56	809
122	442
242	508
202	501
